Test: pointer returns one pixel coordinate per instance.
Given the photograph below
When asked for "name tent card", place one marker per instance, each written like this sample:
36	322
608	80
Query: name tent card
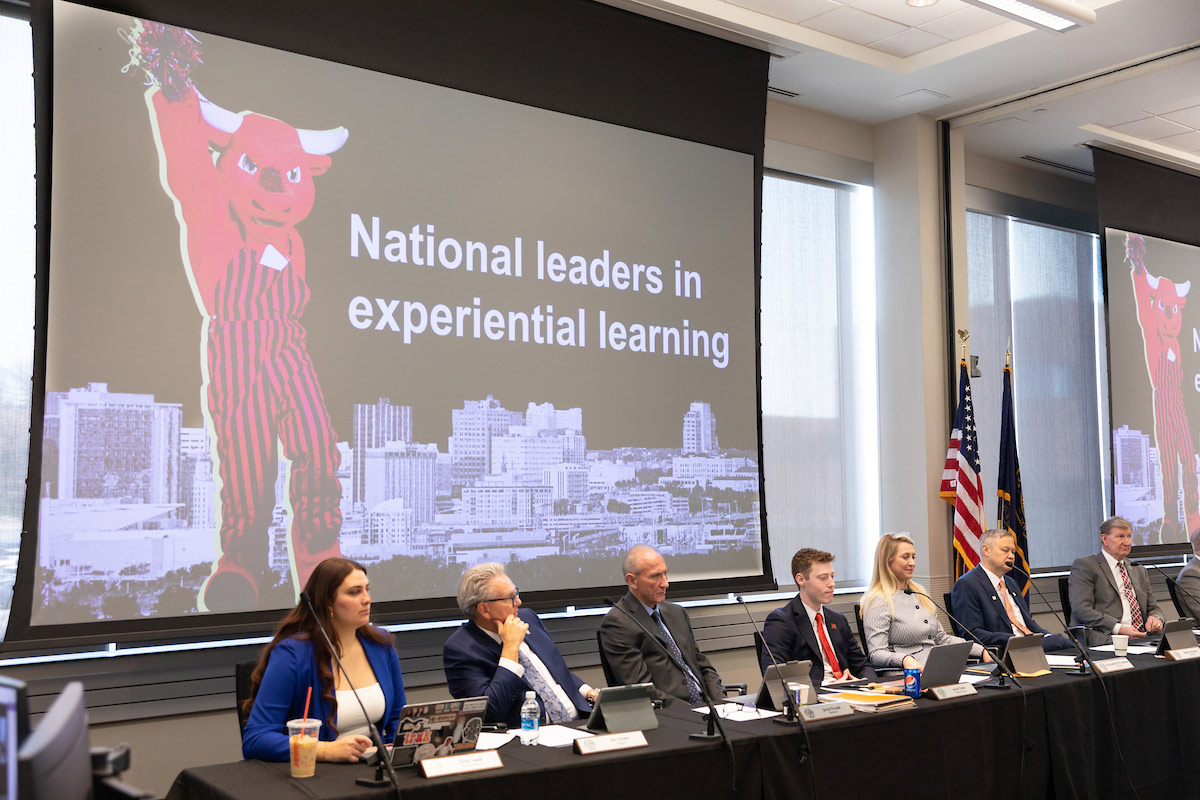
953	690
1183	654
608	743
476	761
1107	665
826	711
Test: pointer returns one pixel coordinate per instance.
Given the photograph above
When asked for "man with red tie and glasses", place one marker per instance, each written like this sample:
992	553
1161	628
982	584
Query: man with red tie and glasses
1109	595
807	629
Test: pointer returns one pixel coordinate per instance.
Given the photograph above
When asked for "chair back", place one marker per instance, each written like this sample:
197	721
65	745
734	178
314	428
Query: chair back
862	633
1064	597
609	678
1174	592
758	646
241	686
957	631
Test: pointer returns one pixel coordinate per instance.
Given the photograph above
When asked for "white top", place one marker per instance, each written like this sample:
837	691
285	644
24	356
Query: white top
350	720
1126	612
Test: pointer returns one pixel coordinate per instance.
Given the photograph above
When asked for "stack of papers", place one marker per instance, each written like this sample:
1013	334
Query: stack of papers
868	701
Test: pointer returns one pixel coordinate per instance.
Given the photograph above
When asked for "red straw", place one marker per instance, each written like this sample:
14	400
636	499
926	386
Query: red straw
307	700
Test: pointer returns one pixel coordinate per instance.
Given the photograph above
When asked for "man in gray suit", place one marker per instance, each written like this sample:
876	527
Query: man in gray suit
1110	596
1188	589
634	657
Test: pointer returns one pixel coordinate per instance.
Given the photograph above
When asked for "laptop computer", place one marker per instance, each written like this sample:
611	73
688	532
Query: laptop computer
944	666
442	728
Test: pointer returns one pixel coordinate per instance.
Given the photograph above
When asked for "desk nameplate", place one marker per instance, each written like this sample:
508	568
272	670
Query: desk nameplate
476	761
1107	665
609	742
826	711
1183	654
953	690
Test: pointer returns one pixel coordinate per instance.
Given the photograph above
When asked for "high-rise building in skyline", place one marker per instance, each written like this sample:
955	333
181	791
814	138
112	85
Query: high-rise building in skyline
117	446
402	470
374	426
472	428
699	430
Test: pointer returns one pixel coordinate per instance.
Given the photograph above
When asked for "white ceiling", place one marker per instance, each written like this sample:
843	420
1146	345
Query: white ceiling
1132	79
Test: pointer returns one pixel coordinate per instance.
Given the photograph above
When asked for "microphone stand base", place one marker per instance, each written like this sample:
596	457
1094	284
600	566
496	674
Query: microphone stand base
993	686
785	721
374	783
1079	671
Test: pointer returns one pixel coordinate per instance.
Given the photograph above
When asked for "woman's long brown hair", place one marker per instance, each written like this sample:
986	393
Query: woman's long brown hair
322	587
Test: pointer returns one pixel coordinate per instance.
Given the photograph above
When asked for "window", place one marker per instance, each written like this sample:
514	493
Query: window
16	296
820	410
1039	288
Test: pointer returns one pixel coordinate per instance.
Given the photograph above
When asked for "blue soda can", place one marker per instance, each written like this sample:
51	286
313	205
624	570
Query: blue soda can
912	683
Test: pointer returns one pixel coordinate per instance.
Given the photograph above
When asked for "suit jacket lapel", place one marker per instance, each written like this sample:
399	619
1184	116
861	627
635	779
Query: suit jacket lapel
1106	570
806	629
985	582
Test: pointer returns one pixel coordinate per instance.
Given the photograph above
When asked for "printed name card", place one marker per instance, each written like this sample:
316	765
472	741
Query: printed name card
1107	665
609	742
826	711
475	761
953	690
1183	654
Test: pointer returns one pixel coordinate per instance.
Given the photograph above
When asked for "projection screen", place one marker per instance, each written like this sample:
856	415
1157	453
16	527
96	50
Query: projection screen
297	308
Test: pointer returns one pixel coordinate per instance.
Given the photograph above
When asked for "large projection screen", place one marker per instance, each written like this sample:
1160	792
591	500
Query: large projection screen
296	308
1154	363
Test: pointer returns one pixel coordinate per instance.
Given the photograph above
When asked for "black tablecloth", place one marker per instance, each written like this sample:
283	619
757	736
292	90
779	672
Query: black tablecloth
1053	739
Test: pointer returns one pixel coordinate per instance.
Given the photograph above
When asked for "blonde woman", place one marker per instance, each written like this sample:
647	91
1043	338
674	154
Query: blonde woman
901	628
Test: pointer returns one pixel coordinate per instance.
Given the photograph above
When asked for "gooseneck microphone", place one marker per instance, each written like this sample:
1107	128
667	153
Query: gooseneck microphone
385	762
791	714
1003	670
712	717
1083	658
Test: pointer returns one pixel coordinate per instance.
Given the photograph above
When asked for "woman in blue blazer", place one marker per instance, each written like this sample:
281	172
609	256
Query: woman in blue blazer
298	658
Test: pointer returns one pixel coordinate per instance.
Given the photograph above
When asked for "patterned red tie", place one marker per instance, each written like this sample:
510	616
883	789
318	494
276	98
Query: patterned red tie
830	658
1135	612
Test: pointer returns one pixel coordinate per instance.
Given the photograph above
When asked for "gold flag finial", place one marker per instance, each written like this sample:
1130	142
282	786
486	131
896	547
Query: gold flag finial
963	335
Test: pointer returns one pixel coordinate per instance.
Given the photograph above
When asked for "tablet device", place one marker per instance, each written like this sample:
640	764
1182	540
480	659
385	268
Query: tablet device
1024	654
770	694
623	708
1177	635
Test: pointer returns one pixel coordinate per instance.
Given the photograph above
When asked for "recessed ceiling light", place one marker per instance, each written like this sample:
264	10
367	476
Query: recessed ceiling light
921	3
1050	15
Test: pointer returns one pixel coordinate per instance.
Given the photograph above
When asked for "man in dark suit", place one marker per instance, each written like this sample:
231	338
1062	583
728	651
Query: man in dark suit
987	600
636	658
504	651
1187	588
1110	596
806	629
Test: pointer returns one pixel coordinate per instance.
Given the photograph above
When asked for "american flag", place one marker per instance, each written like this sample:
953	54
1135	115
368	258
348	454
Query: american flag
961	484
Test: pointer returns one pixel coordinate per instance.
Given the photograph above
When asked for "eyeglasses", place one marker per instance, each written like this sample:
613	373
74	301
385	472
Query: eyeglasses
512	598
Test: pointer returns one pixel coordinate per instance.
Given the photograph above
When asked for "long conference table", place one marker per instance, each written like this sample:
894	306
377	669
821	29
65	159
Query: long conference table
1054	739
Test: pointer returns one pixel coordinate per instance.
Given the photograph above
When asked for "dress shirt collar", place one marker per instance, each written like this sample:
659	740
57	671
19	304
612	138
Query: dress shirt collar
1112	562
993	577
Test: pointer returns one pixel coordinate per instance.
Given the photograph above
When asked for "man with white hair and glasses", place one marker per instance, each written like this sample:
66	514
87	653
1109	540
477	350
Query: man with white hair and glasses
503	651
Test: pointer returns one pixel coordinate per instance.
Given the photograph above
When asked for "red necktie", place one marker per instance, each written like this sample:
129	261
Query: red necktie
830	658
1135	612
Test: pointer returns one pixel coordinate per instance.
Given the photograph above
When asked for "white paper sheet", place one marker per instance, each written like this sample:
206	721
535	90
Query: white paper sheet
559	735
737	712
491	741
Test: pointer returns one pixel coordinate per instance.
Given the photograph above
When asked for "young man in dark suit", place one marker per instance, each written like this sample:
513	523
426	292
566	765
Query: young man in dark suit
807	629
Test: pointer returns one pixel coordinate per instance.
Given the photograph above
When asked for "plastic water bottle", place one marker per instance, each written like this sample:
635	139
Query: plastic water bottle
531	714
